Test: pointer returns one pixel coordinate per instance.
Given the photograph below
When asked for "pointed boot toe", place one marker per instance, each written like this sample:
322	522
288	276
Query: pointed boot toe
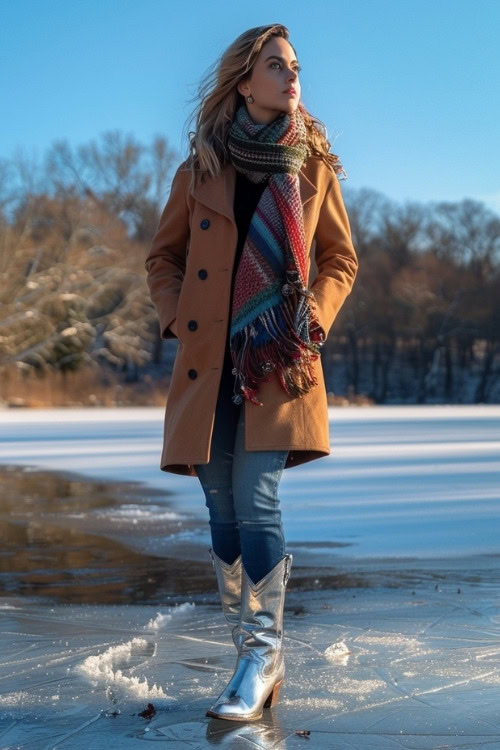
237	709
234	709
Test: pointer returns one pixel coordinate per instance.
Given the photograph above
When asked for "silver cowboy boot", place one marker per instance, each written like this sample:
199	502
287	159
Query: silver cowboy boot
260	669
229	584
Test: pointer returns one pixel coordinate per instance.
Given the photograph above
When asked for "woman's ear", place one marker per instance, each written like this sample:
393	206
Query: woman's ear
244	86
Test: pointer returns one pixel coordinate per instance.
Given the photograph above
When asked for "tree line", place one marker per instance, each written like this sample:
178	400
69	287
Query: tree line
422	324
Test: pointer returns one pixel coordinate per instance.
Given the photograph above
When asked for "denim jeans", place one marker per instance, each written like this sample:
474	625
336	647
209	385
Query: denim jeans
241	489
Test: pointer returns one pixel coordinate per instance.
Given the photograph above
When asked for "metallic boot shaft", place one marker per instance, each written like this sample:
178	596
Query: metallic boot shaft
229	584
260	668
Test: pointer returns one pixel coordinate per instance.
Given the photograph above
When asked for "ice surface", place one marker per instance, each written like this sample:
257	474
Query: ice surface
402	519
366	668
400	481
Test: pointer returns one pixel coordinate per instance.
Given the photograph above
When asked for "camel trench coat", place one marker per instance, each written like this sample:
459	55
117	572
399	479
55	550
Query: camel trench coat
189	271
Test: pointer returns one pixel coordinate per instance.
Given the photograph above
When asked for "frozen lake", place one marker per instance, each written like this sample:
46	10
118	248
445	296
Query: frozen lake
409	660
402	481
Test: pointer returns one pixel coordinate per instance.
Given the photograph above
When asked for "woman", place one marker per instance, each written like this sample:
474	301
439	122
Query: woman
228	274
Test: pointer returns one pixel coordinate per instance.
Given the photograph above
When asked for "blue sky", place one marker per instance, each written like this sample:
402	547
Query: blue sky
408	89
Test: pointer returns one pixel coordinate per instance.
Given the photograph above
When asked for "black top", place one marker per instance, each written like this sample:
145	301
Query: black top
246	197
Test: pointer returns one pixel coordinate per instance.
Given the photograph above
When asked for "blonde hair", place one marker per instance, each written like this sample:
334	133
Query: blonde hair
220	99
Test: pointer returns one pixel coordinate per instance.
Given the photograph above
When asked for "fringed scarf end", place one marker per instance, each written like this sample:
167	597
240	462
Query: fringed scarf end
287	354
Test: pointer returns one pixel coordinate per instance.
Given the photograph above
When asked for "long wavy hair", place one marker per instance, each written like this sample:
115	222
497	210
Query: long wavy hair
219	99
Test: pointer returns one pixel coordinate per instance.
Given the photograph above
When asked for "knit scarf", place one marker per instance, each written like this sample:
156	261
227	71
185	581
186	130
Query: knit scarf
274	324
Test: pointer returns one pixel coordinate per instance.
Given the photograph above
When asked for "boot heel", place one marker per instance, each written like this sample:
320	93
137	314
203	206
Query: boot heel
273	696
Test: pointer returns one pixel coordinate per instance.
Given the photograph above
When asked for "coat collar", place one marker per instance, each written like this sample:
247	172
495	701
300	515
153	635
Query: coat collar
218	193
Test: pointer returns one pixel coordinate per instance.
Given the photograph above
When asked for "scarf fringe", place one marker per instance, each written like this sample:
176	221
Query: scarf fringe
290	353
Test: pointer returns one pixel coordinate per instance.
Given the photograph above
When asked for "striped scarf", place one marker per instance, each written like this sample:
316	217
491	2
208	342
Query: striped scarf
274	325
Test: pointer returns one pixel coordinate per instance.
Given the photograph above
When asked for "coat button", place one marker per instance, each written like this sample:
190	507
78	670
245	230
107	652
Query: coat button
202	273
192	374
205	223
192	325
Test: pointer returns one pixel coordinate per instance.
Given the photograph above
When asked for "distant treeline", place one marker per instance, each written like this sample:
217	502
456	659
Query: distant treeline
422	324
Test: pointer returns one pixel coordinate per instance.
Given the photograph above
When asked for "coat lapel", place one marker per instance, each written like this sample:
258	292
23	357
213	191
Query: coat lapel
218	193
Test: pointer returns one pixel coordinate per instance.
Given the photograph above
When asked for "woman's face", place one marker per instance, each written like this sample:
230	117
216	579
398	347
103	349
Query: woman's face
274	72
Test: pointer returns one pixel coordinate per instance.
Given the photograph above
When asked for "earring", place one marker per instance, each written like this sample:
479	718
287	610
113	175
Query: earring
250	99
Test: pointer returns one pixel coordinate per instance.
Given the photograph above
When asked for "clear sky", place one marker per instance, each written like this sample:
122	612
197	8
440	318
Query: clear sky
409	89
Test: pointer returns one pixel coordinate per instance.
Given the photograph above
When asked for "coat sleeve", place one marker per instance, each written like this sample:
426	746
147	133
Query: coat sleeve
166	261
335	256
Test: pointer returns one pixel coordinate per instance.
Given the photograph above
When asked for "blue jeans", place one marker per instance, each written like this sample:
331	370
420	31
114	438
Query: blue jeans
241	490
